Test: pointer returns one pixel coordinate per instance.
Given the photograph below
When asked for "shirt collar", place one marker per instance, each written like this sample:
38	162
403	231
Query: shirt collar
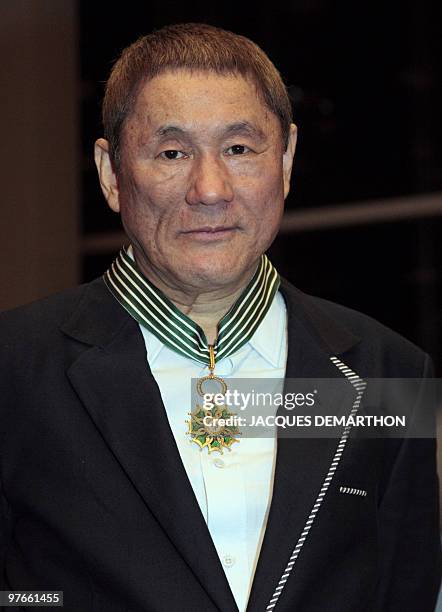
268	340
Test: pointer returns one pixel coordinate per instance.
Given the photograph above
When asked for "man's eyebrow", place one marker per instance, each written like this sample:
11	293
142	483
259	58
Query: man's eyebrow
244	128
170	130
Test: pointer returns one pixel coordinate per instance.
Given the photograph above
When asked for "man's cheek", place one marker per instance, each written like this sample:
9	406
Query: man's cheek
165	194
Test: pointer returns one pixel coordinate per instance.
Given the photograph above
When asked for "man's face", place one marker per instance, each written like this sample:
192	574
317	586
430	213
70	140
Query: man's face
202	180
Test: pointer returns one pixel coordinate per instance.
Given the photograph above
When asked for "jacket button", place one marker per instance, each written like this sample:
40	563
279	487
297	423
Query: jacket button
219	463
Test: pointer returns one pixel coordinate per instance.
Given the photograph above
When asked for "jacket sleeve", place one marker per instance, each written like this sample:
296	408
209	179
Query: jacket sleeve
410	571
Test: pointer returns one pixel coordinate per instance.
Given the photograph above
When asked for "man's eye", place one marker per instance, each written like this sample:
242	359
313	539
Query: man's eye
172	154
237	150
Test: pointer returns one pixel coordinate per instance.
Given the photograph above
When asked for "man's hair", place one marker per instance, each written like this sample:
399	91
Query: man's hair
194	47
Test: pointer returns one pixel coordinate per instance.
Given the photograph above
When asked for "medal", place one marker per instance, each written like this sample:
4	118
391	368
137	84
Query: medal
214	427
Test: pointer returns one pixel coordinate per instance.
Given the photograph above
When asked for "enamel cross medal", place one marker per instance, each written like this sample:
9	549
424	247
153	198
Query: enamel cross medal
214	427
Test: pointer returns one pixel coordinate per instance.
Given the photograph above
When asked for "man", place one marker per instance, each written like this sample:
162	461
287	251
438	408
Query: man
106	494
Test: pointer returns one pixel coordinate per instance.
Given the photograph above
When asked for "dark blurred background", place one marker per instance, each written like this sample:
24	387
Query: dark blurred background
364	217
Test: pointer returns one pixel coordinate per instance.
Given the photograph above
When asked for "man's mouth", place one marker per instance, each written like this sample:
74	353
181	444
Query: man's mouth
208	232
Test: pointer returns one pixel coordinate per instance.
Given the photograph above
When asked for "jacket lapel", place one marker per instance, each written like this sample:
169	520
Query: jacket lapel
114	383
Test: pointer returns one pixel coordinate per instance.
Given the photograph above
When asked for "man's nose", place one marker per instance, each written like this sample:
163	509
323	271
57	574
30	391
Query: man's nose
209	182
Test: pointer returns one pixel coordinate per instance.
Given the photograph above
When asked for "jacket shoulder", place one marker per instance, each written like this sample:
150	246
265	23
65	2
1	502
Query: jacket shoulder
374	347
385	349
42	317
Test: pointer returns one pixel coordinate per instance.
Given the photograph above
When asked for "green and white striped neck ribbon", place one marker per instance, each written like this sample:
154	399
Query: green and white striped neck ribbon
151	308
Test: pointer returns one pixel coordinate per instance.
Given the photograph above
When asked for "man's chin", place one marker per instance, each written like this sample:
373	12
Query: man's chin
216	273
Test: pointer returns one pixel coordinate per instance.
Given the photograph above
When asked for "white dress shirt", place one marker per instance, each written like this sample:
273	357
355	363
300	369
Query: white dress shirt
233	489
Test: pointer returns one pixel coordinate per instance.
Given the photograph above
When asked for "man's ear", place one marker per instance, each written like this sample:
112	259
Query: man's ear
287	159
107	176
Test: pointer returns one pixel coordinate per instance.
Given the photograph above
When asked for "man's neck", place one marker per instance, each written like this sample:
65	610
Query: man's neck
205	308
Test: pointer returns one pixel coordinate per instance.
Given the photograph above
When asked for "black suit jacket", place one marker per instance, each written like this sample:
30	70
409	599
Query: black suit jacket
96	502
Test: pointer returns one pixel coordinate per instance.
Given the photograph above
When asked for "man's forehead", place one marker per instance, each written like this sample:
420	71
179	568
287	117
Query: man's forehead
174	102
